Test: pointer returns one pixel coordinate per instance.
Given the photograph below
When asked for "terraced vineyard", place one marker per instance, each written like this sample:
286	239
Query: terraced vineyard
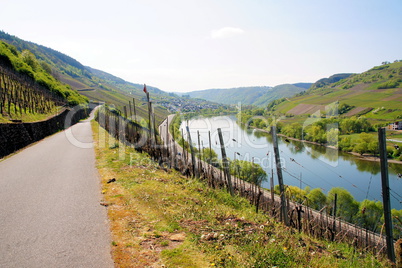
21	96
376	94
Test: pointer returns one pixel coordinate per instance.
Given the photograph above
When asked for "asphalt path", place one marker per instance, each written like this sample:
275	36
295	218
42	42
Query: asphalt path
50	212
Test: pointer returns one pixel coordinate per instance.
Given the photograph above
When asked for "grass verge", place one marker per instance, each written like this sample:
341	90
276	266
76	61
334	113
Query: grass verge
159	218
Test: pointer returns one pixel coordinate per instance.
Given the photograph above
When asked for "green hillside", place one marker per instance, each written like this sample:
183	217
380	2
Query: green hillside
28	90
259	96
76	79
375	94
92	83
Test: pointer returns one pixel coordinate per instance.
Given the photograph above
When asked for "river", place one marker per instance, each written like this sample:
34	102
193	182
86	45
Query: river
303	164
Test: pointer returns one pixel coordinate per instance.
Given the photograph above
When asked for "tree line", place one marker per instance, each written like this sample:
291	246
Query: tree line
332	131
368	214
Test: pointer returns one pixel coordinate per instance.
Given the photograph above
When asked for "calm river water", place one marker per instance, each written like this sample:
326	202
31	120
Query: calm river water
304	164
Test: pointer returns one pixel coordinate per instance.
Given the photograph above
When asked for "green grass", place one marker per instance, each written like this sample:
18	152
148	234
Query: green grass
149	205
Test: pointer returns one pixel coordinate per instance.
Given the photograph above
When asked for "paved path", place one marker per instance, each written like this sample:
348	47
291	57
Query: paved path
50	214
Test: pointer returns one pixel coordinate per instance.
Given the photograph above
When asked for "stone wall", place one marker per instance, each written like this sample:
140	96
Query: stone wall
15	136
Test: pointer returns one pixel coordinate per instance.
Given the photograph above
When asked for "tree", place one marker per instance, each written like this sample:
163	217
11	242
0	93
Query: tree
366	144
316	133
295	193
344	108
332	137
370	213
345	144
294	130
396	222
354	125
316	199
347	206
248	171
361	148
29	58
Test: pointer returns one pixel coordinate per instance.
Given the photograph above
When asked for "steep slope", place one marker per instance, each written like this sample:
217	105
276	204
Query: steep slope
98	85
376	94
28	91
259	96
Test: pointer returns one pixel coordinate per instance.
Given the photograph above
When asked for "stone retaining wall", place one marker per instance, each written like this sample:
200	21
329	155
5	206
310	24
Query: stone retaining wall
15	136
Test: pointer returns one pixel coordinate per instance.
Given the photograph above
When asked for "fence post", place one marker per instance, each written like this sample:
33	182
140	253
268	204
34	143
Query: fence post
135	114
174	149
385	193
184	148
335	207
167	141
284	210
225	161
199	154
272	188
192	153
154	126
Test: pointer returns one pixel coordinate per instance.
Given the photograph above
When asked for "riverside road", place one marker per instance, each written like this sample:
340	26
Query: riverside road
50	212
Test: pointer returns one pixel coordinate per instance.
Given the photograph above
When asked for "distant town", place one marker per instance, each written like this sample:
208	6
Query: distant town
186	104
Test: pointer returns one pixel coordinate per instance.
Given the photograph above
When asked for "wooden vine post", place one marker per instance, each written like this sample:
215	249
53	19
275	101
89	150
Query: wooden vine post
225	162
193	164
385	194
284	208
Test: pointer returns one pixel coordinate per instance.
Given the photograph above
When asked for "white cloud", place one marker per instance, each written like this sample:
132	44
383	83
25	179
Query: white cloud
226	32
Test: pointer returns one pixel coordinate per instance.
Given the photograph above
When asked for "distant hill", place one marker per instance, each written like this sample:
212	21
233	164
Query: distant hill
259	96
375	94
332	79
281	91
246	95
96	84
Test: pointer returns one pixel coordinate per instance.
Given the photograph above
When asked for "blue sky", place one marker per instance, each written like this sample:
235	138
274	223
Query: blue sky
186	45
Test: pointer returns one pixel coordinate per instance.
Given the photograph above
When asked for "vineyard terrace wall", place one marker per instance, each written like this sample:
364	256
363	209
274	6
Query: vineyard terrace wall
15	136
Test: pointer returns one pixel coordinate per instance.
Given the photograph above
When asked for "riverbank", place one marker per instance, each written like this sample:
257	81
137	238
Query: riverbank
365	157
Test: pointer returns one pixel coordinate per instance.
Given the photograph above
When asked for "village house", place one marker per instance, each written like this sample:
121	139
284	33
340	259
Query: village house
395	126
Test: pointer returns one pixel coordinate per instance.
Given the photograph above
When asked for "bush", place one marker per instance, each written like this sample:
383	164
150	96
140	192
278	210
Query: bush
388	84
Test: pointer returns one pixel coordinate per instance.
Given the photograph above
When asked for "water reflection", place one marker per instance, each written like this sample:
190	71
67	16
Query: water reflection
305	164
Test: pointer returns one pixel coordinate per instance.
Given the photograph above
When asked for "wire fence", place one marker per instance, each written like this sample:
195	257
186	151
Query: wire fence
168	153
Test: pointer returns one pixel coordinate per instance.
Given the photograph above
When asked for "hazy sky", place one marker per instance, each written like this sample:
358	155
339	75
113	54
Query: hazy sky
186	45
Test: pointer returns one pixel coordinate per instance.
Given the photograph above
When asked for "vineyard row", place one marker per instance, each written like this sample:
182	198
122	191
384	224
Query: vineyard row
22	94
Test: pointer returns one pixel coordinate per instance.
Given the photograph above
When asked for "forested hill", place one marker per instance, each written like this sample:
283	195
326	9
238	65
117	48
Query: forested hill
259	96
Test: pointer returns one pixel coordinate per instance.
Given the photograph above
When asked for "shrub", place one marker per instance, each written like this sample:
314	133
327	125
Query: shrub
388	84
